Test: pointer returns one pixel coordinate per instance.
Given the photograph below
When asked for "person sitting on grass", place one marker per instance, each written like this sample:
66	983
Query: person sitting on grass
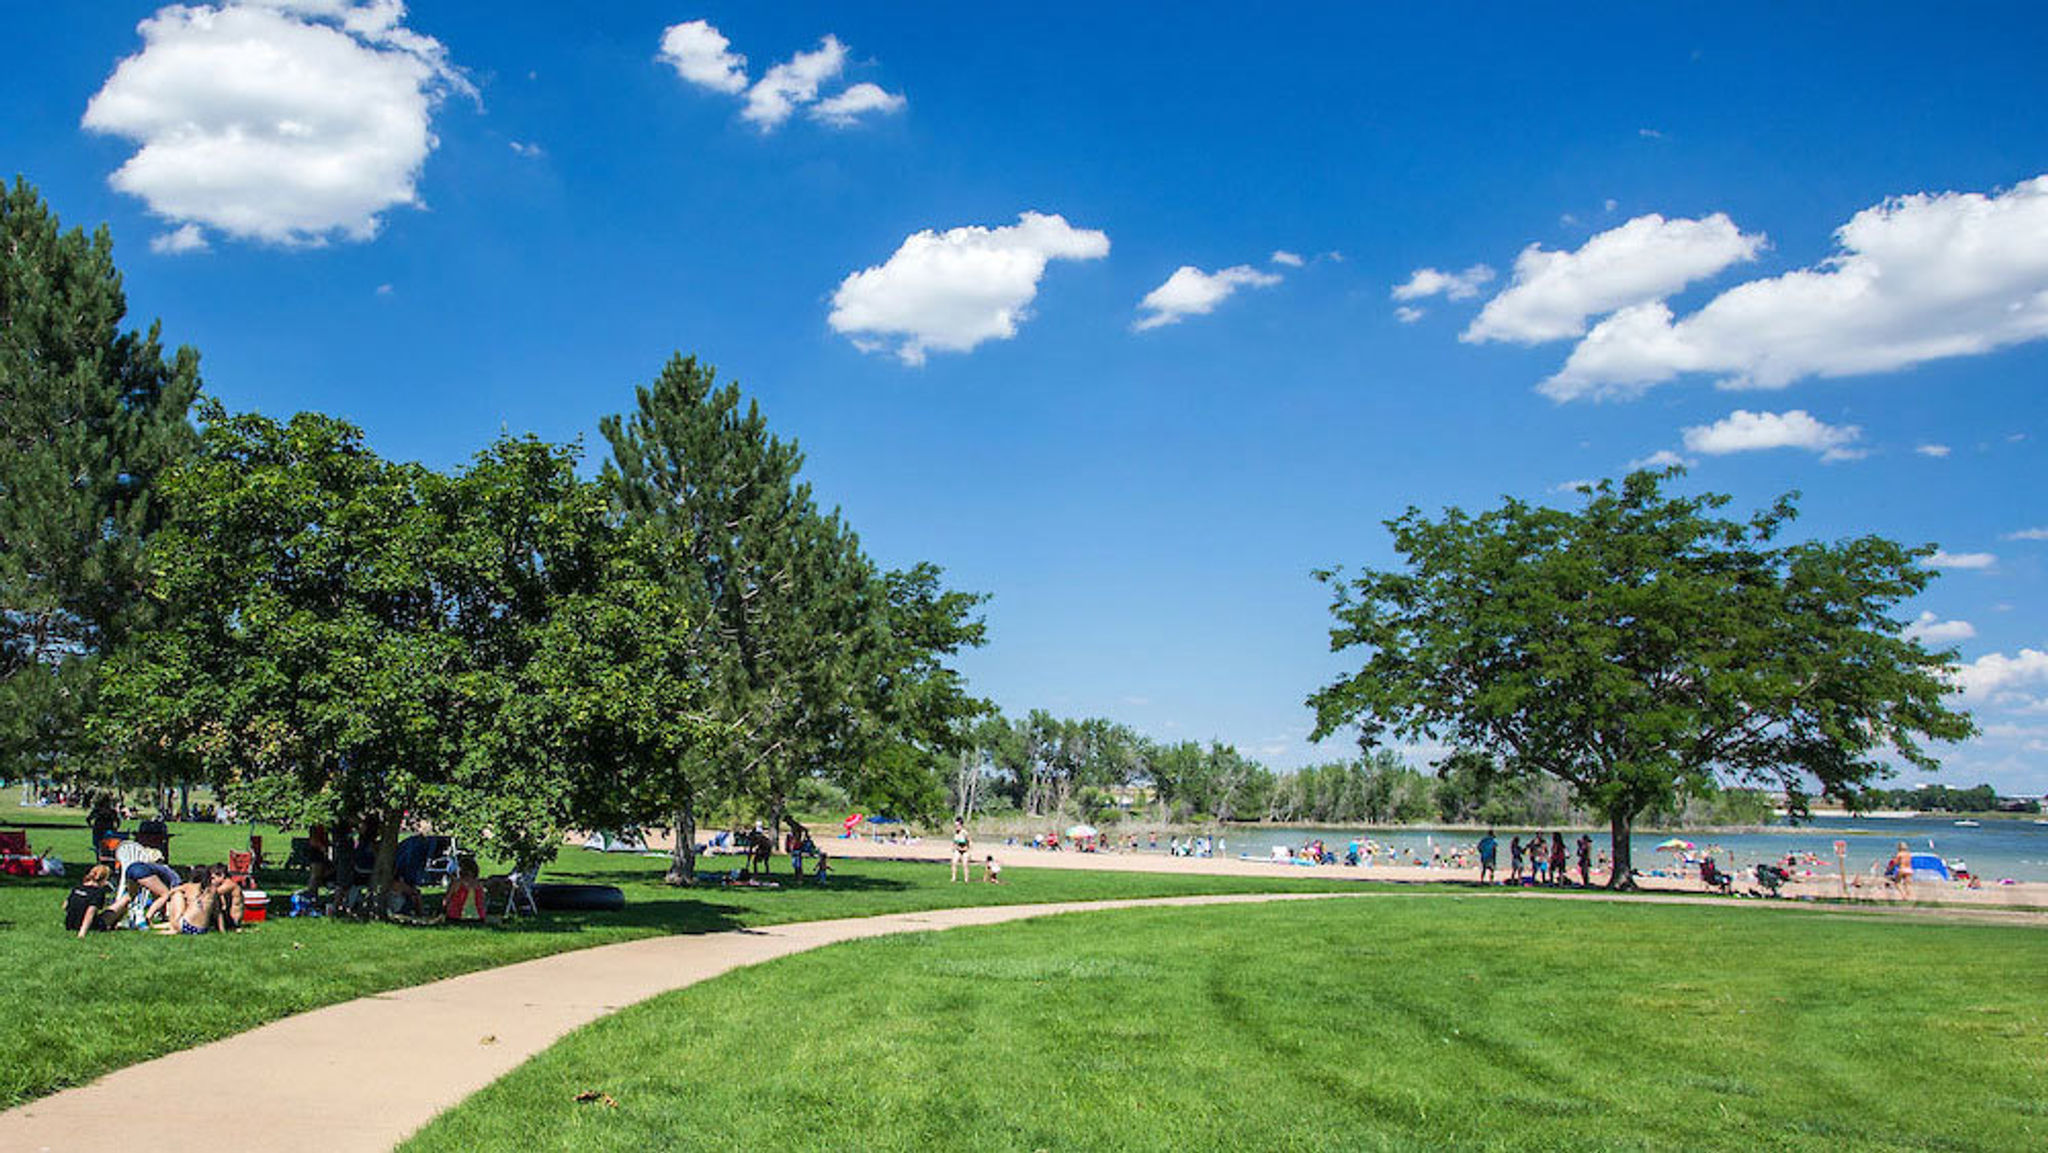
85	904
192	916
993	870
465	903
229	904
182	895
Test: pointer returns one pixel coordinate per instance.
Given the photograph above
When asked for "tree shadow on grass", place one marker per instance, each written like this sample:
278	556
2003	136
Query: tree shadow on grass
706	909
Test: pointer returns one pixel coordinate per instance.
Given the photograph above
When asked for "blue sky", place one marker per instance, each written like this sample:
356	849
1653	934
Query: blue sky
1389	256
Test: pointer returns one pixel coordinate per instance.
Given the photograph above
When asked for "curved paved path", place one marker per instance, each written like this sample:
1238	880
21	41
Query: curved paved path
364	1074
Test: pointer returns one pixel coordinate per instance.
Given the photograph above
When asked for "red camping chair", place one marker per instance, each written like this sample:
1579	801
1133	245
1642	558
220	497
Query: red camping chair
14	855
242	867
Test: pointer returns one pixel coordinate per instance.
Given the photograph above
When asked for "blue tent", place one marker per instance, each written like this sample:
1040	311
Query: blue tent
1930	865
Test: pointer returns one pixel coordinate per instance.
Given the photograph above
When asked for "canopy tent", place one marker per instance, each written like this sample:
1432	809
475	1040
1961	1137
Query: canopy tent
1080	831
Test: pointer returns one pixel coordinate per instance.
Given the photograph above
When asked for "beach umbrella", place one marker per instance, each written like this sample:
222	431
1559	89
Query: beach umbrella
1674	845
1084	831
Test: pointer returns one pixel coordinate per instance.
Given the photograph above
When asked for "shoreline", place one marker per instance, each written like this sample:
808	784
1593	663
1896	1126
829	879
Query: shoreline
1821	887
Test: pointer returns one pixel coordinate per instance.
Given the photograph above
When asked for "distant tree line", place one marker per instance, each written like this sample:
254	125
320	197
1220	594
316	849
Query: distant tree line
1104	772
1942	799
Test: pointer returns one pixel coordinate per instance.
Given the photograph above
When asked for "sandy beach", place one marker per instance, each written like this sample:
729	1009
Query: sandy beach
1828	886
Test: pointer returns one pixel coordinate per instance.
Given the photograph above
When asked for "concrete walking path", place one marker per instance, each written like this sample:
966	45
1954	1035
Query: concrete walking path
365	1074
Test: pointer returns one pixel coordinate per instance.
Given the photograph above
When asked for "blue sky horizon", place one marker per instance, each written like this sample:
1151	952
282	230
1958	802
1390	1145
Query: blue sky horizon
1132	317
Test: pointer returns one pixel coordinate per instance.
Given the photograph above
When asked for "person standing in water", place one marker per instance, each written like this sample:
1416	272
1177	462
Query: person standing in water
963	869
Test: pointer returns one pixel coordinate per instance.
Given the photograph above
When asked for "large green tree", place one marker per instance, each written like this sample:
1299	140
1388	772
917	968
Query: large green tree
355	637
815	663
1642	646
90	416
691	464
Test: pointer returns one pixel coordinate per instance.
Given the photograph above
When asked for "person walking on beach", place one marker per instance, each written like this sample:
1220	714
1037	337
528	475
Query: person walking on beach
1487	846
1515	860
1585	861
1557	860
1902	870
963	869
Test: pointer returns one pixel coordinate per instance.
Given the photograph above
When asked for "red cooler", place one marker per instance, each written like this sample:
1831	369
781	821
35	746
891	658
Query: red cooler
255	906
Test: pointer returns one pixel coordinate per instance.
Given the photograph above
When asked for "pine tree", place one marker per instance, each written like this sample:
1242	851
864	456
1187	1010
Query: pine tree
90	415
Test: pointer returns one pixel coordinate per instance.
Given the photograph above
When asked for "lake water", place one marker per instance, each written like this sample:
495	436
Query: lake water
2000	848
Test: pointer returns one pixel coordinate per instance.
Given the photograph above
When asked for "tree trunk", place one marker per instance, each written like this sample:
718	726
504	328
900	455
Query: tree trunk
1623	875
682	863
387	858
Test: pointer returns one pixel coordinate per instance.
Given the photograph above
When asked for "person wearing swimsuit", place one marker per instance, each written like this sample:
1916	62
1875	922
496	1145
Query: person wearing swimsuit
963	869
196	917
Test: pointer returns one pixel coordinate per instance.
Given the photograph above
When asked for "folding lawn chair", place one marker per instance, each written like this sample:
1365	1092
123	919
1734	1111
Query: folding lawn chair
242	867
14	855
519	893
158	839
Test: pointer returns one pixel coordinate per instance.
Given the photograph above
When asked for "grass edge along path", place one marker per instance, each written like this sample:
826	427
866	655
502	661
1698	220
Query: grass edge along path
366	1073
1382	1024
81	1009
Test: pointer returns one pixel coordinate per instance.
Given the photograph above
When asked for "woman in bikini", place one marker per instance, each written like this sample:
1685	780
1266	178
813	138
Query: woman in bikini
963	869
192	916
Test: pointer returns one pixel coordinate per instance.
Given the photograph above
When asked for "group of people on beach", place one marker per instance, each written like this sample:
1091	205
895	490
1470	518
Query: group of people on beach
208	900
1539	863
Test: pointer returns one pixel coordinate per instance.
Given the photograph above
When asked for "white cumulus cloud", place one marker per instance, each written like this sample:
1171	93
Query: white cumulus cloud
1407	314
1917	278
1427	282
1192	292
1994	674
1554	292
180	240
1662	458
703	56
1290	259
1961	560
1937	451
950	291
846	109
1932	630
291	122
793	82
2028	534
1745	431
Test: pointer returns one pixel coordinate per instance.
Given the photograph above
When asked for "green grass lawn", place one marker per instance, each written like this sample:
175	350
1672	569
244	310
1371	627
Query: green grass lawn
1445	1023
77	1009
